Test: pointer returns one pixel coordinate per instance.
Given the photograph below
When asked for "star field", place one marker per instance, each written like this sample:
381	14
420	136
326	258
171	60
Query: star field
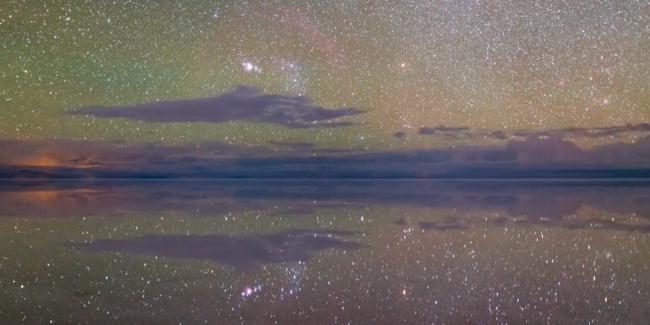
480	64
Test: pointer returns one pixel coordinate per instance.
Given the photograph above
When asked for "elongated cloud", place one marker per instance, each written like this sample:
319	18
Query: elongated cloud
452	133
242	104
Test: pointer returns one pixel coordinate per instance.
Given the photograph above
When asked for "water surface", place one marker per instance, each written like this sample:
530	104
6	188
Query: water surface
323	252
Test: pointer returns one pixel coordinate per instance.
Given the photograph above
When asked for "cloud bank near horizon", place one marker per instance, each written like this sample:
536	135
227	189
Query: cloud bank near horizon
528	157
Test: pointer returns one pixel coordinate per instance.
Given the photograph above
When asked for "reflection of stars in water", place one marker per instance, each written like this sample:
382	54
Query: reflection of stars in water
294	275
250	290
490	273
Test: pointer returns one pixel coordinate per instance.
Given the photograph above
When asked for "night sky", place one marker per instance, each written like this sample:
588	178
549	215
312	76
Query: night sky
393	68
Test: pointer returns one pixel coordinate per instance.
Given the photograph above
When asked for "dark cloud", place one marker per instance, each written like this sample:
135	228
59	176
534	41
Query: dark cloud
501	135
601	132
441	129
448	133
245	252
399	135
242	104
453	133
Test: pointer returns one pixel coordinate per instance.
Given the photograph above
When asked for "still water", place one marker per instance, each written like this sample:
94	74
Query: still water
325	252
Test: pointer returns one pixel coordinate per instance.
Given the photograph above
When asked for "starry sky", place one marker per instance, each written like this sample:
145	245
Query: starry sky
345	74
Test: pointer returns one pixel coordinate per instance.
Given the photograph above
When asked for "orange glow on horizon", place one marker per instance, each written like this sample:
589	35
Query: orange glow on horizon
42	161
48	160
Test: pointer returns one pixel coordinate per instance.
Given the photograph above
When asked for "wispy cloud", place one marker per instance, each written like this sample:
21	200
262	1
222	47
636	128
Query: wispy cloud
599	132
453	133
241	104
442	130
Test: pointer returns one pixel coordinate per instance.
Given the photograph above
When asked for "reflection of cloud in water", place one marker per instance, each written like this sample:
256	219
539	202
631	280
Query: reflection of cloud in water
519	198
457	223
244	252
444	225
